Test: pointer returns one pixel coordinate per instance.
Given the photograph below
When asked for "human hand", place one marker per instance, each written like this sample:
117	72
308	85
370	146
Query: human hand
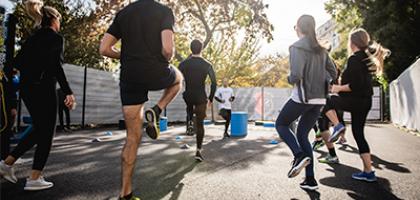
70	101
335	88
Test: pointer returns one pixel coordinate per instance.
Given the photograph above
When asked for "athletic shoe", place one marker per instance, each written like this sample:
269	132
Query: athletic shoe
329	160
226	135
309	184
67	130
298	164
132	198
38	184
363	176
317	144
152	118
199	157
190	128
318	134
338	129
8	172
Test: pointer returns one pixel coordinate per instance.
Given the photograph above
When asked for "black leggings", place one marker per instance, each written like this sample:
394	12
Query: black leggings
63	109
6	134
359	109
41	102
200	113
226	114
323	122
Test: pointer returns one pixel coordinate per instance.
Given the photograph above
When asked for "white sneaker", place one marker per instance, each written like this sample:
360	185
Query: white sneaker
8	172
38	184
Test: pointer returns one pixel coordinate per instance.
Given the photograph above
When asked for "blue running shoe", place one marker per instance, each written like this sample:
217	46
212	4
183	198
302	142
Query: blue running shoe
338	129
363	176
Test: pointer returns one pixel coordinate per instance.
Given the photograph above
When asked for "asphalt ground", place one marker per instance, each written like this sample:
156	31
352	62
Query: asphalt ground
237	168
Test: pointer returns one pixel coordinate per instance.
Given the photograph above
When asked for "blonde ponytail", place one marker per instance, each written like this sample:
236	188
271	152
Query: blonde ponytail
33	8
377	55
375	51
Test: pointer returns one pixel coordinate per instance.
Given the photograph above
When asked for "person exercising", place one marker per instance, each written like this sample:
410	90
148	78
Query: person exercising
195	70
225	97
145	29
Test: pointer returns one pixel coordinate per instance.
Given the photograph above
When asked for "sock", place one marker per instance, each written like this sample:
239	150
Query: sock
332	152
128	196
156	108
310	178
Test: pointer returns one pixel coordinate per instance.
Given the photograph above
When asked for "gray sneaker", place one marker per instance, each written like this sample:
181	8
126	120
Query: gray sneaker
329	160
38	184
8	172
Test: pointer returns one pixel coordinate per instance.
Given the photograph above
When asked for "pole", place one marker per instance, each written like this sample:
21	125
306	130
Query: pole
262	103
84	97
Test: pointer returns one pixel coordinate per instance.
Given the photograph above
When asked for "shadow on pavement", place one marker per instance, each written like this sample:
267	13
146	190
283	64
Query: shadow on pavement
377	162
358	189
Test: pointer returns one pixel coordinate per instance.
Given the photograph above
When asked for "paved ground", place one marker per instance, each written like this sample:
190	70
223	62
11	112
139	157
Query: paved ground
245	168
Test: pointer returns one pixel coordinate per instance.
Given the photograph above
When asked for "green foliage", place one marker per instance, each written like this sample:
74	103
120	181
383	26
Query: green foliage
82	26
231	32
394	24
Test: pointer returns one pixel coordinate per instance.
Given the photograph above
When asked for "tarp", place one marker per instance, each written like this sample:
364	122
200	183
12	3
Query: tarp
405	98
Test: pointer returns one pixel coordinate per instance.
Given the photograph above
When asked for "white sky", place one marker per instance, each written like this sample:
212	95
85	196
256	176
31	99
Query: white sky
283	14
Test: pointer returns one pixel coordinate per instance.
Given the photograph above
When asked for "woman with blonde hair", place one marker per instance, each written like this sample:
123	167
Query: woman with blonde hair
40	64
355	93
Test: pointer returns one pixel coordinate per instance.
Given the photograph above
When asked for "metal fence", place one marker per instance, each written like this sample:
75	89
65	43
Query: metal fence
103	106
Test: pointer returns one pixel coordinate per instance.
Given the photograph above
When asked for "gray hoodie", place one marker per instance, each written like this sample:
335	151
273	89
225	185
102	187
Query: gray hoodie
310	72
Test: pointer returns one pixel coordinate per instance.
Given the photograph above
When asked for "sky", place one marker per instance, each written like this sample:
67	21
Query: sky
283	14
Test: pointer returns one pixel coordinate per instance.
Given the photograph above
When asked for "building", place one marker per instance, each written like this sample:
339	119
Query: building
328	36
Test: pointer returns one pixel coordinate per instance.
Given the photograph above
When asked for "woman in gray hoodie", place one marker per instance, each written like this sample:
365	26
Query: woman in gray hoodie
311	71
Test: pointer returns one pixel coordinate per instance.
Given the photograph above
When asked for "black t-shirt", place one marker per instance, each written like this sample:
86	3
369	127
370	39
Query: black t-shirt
358	76
139	26
195	71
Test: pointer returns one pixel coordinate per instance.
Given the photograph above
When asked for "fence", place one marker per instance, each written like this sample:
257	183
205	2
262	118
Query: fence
405	98
103	104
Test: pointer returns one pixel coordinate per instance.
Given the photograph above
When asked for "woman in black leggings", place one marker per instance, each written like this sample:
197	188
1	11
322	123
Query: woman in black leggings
355	94
40	64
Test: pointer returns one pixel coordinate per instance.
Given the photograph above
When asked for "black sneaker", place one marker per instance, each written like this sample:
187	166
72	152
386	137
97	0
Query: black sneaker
298	164
309	184
226	135
199	157
190	128
317	144
152	118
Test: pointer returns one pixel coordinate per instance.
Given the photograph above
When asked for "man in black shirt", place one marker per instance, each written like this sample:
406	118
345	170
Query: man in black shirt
195	70
145	29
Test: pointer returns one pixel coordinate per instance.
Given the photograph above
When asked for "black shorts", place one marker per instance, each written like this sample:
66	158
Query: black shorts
137	93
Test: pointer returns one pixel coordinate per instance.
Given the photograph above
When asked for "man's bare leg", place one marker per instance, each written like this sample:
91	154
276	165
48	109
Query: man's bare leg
133	116
170	93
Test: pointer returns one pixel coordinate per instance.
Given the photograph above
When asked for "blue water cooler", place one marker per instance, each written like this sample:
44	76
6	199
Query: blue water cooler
163	124
239	124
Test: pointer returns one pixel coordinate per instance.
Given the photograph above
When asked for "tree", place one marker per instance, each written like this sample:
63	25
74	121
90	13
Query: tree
83	25
394	24
230	30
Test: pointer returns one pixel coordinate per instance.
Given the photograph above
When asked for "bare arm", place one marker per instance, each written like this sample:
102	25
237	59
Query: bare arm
340	88
168	44
107	47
